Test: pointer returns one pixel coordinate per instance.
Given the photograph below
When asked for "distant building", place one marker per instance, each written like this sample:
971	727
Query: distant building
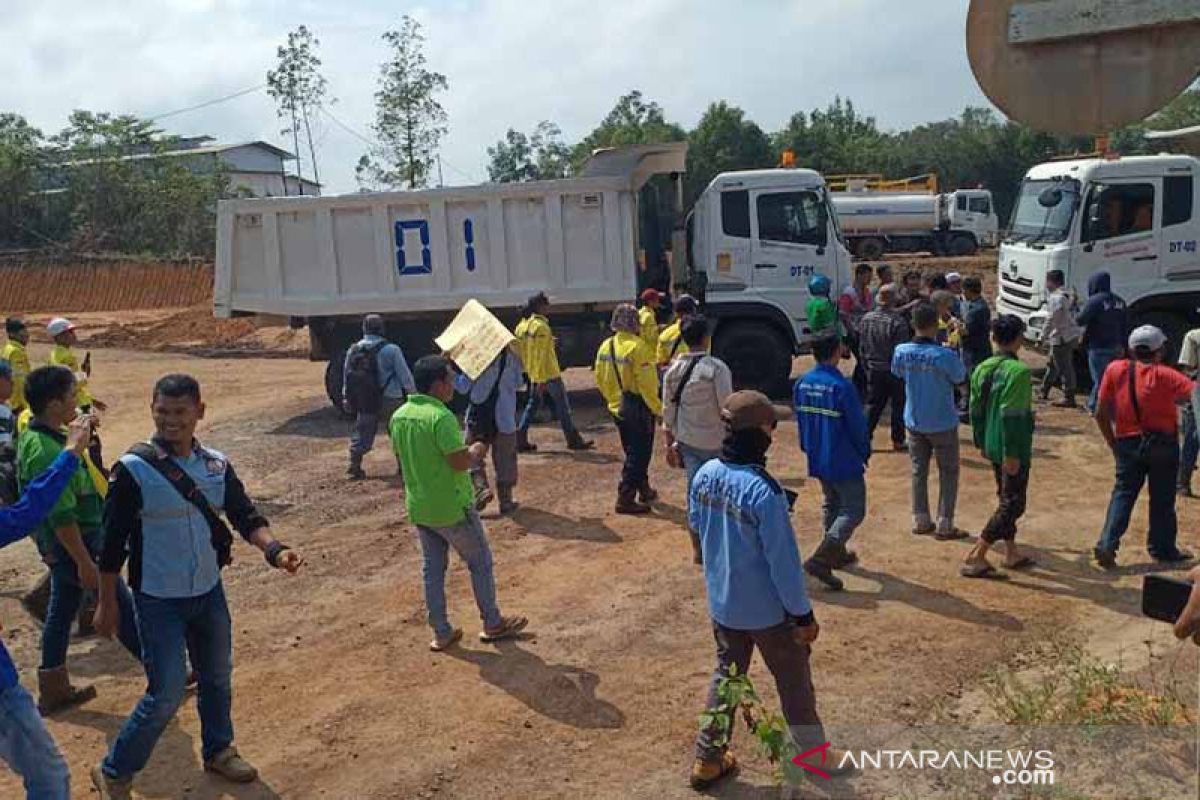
258	167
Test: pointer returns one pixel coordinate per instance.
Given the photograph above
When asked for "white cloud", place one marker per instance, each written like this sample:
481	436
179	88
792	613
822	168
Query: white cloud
509	62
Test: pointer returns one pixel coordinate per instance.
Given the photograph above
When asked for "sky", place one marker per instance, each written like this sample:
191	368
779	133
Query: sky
509	63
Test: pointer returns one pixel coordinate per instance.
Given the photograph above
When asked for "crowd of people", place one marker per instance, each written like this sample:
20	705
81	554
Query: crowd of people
926	349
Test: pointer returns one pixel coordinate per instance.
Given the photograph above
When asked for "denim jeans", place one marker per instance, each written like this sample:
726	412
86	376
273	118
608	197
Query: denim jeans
1190	447
562	407
1061	368
943	446
845	507
1136	465
1098	361
66	595
469	540
171	629
28	748
693	460
362	437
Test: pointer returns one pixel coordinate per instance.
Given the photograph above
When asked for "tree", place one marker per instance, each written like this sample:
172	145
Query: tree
298	89
836	140
409	120
631	121
20	161
537	157
722	141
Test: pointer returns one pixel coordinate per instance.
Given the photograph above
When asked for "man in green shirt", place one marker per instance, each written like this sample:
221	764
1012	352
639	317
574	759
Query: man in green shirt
1002	419
820	312
429	443
69	540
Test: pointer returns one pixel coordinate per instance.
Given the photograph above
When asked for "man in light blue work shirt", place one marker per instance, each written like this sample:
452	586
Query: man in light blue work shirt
492	419
930	372
754	580
375	381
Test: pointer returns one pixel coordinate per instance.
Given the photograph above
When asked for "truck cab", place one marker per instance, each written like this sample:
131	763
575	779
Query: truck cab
756	238
972	211
1133	217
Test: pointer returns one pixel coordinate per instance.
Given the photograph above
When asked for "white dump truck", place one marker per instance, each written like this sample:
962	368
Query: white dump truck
954	223
1134	217
753	241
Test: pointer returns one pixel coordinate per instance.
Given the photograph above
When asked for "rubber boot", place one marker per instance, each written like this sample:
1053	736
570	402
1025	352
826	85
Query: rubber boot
820	565
483	492
645	493
841	556
576	442
523	443
355	472
37	600
507	504
697	553
55	691
627	502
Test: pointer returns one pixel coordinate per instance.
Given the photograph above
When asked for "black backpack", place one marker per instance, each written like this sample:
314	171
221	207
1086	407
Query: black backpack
363	392
9	490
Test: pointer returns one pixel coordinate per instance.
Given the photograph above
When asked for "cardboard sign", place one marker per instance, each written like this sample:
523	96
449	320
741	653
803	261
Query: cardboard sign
474	338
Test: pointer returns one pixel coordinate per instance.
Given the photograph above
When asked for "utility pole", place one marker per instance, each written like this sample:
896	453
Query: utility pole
441	183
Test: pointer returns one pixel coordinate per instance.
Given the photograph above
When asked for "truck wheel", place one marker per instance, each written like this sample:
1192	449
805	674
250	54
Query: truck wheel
758	355
1175	326
963	245
334	378
869	249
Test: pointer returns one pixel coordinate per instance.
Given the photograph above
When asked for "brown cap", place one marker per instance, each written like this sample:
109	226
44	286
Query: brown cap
750	409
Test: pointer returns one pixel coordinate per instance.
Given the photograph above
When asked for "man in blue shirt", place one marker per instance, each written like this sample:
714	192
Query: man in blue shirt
833	434
930	372
492	419
1105	321
176	547
754	580
25	743
393	383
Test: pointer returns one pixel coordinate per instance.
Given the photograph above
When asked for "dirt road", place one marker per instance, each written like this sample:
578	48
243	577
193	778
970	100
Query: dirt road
337	695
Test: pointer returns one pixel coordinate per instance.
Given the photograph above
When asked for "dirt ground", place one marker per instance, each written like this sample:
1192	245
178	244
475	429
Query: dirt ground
337	695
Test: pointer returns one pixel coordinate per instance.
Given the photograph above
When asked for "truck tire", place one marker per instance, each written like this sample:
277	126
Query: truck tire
963	244
1175	326
759	356
333	380
870	248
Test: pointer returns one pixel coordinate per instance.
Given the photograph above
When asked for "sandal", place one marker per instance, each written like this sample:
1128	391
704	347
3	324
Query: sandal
439	644
983	571
509	627
1024	562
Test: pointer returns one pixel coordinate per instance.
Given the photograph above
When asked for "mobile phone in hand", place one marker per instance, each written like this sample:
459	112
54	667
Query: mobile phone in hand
1163	597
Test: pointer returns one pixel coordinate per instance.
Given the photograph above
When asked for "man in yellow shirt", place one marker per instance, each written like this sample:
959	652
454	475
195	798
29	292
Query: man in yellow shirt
61	355
627	379
18	359
648	317
670	341
535	341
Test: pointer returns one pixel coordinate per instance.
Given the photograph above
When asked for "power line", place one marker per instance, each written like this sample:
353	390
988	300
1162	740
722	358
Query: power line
374	144
208	103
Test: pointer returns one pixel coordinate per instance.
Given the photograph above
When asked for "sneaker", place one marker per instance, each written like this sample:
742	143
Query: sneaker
111	788
707	773
441	643
231	766
924	530
1106	559
1177	557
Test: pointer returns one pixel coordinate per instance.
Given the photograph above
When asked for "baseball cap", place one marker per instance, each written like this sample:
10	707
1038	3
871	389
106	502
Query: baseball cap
625	318
1147	337
951	277
750	409
59	325
651	295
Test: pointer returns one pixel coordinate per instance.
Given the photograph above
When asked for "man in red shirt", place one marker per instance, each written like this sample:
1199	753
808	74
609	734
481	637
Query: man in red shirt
1138	416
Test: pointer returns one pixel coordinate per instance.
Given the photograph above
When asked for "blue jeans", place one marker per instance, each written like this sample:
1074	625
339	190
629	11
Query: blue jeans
469	540
1136	465
29	749
1098	361
66	595
562	406
171	629
1190	449
693	460
845	507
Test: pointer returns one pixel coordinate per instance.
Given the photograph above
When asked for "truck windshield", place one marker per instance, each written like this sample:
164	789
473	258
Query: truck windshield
831	214
1044	211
